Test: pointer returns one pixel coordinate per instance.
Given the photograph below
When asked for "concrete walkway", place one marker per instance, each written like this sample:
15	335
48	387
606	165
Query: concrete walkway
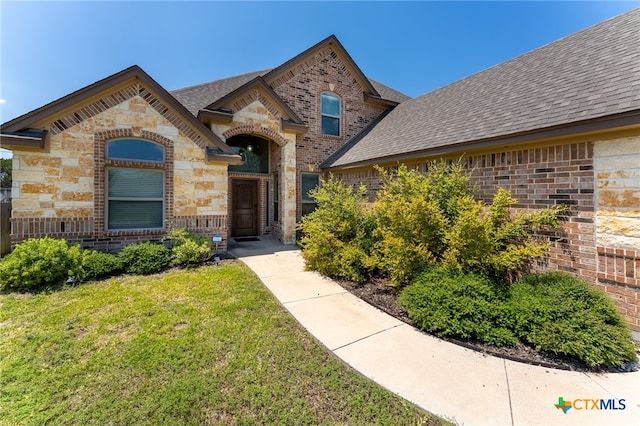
445	379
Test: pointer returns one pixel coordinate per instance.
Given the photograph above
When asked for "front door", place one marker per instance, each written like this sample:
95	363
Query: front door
245	208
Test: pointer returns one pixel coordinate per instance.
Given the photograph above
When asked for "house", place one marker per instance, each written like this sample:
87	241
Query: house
119	160
557	125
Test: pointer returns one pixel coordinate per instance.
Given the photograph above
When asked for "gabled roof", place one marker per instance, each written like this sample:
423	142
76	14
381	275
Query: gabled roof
202	96
257	84
197	97
586	81
21	126
337	48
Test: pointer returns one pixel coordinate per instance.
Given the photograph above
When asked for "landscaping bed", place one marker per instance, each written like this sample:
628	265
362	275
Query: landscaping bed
377	292
459	266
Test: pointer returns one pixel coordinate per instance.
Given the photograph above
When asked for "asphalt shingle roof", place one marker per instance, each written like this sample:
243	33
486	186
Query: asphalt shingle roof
200	96
589	74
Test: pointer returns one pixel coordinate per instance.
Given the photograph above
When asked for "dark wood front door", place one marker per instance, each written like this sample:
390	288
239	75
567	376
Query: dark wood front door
245	208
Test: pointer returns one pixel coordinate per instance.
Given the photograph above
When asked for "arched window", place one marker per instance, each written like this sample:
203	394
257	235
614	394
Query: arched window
330	109
135	184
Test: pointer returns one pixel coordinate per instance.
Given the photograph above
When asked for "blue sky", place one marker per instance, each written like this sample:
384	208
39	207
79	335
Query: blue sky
49	49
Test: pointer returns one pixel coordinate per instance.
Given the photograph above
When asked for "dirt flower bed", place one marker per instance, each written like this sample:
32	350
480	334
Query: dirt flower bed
377	292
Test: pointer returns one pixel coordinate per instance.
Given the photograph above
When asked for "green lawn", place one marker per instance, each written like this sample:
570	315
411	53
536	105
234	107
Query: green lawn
200	346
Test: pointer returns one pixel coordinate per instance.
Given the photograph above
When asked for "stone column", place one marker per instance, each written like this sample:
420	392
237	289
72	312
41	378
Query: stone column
288	192
617	169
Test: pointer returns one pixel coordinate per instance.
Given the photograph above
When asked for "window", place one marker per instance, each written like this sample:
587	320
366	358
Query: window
309	182
330	110
276	198
267	218
135	150
254	152
135	196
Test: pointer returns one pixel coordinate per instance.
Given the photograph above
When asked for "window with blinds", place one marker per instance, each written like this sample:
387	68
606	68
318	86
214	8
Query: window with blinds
135	196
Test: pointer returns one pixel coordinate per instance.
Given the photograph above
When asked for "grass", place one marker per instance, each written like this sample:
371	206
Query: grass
199	346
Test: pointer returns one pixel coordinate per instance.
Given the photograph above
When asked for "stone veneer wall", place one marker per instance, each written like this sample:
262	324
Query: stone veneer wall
255	115
60	192
617	202
599	240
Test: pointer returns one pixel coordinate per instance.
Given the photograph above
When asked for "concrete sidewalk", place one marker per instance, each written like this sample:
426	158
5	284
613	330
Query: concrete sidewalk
443	378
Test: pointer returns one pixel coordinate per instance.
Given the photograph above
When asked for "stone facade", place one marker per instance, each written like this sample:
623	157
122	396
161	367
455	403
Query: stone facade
597	179
258	117
60	192
293	153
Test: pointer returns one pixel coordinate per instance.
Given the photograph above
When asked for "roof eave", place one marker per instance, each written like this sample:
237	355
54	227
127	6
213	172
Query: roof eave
12	141
134	72
296	128
620	121
214	155
208	116
377	100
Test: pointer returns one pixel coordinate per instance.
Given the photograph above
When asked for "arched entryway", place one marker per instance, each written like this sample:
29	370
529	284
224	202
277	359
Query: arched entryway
253	201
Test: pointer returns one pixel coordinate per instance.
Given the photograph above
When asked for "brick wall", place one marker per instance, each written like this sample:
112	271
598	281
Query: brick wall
301	89
544	176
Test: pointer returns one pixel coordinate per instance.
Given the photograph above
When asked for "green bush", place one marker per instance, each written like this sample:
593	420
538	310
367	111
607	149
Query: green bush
145	258
337	236
433	220
38	263
188	247
555	312
409	225
560	313
97	264
447	303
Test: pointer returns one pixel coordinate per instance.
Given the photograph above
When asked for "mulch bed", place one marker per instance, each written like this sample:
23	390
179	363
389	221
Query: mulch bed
379	293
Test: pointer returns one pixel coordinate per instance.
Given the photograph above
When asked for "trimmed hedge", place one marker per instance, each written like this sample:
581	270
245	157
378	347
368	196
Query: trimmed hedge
447	303
145	258
555	312
560	313
46	262
97	264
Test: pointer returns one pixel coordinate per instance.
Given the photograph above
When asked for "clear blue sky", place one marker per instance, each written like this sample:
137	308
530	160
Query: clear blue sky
49	49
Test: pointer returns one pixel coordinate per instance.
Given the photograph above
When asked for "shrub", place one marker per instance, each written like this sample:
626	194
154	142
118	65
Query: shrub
41	262
555	312
560	313
188	247
145	258
447	303
409	224
97	264
433	219
337	235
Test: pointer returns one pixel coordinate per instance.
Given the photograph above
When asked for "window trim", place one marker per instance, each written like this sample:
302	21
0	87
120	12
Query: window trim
101	226
338	117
